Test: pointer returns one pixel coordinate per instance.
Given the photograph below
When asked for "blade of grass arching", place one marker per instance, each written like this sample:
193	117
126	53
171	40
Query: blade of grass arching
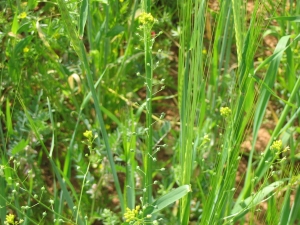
263	84
263	165
287	18
80	50
239	210
270	58
262	103
167	199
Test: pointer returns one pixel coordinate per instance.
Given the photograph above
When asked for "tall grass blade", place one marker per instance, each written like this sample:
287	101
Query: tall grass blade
190	78
243	207
84	9
264	96
263	166
80	50
285	209
294	213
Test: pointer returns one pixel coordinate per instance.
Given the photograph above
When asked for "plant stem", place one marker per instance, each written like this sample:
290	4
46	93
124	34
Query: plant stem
149	74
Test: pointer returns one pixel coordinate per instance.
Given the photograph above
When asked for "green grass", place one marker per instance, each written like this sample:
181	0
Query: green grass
134	112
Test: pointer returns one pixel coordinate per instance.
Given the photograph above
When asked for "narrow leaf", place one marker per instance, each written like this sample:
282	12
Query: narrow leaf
83	17
168	199
288	18
243	207
19	147
8	118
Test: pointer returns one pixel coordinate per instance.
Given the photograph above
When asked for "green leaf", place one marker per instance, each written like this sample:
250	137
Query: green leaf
8	118
285	210
243	207
83	16
167	199
19	147
288	18
115	31
294	213
101	1
15	24
22	44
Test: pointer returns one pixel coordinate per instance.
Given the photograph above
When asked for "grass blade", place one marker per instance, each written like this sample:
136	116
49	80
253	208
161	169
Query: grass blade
80	50
84	9
243	207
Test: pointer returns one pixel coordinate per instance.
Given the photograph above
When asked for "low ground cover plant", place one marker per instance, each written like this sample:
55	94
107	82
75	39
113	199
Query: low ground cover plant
149	112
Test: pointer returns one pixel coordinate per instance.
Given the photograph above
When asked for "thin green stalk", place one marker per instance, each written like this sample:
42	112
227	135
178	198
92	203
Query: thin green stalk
149	76
82	189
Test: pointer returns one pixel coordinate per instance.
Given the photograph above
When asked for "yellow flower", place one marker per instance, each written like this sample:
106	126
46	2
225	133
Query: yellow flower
88	134
277	145
26	49
23	15
10	219
130	215
225	111
146	18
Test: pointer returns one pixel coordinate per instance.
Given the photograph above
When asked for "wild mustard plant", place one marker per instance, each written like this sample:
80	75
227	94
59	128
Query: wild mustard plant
146	23
23	15
26	49
225	111
10	220
133	215
276	146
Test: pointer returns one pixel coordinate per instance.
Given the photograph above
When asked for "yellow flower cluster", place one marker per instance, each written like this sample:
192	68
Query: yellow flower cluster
88	134
146	18
10	220
26	49
130	215
277	145
225	111
23	15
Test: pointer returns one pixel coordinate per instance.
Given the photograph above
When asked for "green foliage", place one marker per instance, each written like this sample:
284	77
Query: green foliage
137	112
